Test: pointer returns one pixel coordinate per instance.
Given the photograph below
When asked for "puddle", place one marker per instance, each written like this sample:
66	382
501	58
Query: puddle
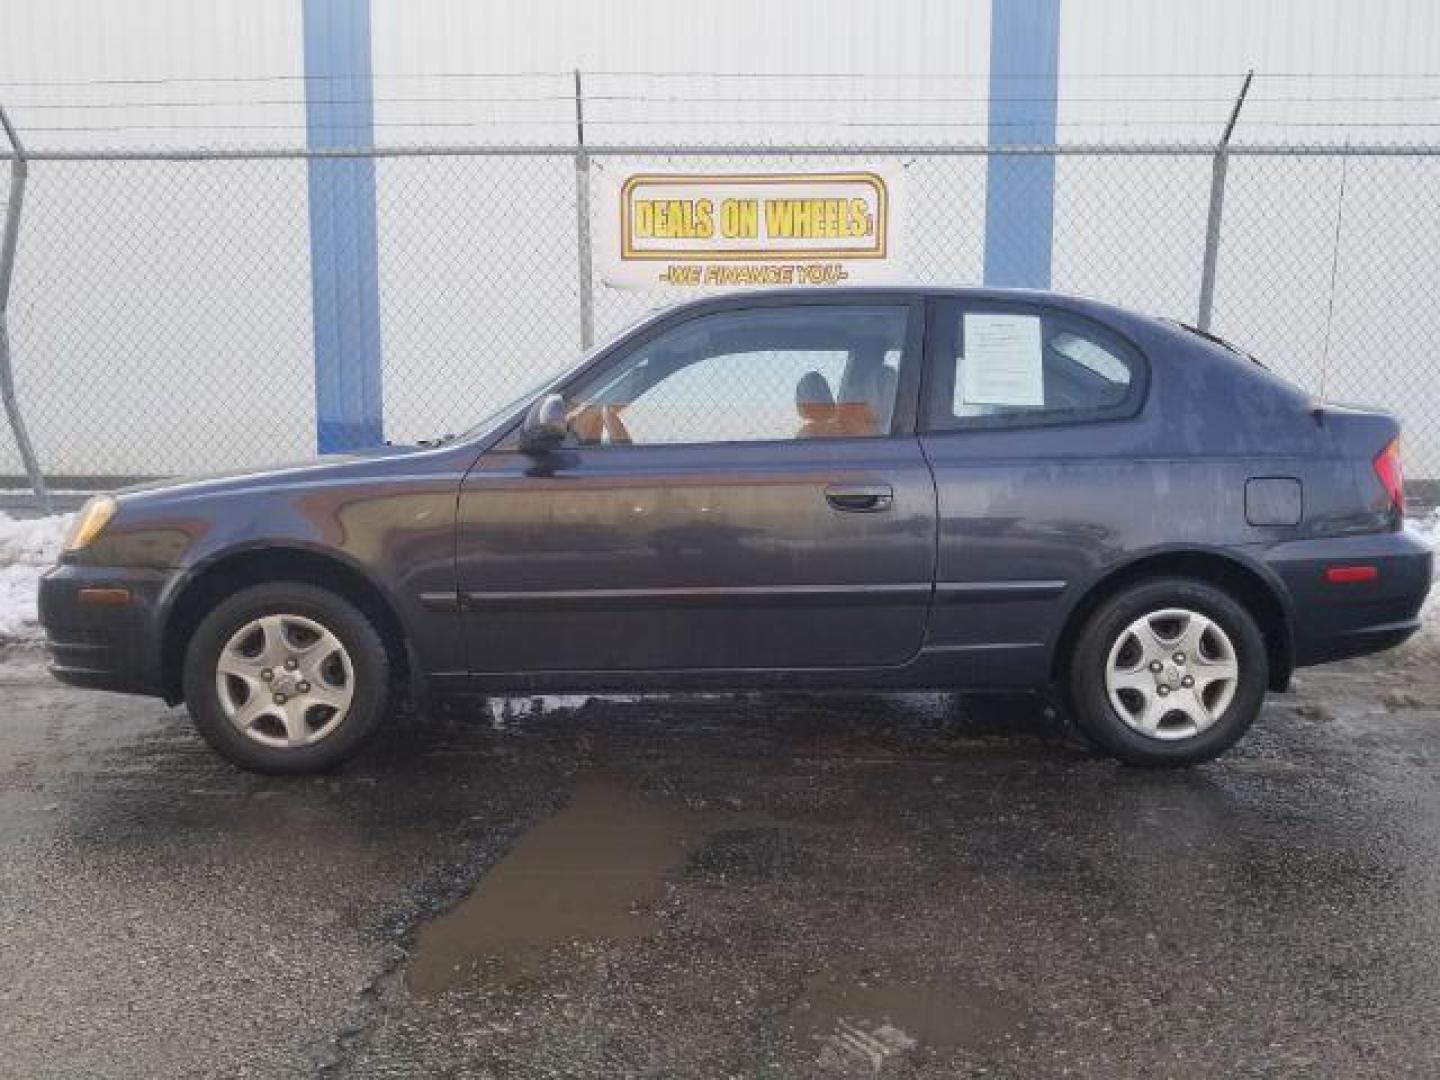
588	873
873	1020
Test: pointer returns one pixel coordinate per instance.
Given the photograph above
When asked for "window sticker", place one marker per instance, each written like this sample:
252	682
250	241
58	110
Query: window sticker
1002	364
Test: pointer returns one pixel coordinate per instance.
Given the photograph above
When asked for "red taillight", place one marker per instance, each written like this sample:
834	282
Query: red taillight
1391	473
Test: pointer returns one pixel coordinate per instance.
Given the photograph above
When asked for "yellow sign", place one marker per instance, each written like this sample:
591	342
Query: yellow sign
728	229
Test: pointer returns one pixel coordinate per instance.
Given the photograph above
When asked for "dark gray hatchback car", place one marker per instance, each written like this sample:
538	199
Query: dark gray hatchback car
905	488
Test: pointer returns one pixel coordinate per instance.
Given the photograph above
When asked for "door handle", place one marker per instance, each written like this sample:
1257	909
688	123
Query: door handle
860	498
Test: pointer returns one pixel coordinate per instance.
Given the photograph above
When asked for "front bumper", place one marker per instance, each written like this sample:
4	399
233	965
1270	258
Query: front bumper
105	646
1336	620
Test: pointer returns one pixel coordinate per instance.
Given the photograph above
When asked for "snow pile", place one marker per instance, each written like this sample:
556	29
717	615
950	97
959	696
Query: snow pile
1429	528
27	547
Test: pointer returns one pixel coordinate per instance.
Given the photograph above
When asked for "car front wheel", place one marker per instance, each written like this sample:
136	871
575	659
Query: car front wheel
286	678
1168	671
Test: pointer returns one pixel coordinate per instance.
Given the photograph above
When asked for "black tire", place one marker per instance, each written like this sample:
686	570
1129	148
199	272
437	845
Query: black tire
1089	698
369	665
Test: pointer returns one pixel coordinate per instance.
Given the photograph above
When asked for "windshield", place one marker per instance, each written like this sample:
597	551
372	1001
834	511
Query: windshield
496	417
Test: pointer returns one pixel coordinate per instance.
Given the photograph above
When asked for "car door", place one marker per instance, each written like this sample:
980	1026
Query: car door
1031	420
742	488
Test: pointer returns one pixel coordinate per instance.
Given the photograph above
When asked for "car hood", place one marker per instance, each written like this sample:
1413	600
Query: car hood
323	467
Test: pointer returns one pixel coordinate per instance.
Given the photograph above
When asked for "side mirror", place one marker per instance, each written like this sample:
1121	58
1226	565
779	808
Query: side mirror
545	425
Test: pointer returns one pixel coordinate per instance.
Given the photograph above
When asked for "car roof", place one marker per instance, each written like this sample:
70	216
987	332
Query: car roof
1095	308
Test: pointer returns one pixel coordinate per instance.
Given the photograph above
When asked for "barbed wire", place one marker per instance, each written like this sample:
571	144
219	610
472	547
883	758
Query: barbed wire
763	147
645	109
893	124
986	77
886	99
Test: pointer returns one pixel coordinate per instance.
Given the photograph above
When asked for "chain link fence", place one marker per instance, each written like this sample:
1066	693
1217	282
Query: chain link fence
161	322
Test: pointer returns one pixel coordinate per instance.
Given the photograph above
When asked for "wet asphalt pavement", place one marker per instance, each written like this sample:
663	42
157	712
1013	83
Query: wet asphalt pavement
726	887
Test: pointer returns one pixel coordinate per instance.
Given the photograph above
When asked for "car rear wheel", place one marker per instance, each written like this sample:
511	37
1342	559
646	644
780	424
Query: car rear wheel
286	678
1168	671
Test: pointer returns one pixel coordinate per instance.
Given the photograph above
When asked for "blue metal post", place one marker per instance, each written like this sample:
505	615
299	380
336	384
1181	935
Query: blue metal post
345	286
1020	189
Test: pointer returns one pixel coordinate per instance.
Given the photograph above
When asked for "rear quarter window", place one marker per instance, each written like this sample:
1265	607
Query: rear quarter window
998	365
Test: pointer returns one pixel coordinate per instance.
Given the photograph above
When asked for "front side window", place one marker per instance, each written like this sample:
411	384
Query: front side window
810	371
1010	365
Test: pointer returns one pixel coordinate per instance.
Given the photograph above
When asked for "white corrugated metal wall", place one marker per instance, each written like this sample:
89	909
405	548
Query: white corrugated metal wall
1126	67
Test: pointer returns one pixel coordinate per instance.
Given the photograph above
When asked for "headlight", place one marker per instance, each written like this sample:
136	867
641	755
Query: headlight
93	517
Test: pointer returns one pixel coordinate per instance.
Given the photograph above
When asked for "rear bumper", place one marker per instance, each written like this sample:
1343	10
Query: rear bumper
104	646
1333	621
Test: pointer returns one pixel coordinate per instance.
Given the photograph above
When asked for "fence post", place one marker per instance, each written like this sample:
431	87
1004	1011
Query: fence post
582	222
19	172
1218	166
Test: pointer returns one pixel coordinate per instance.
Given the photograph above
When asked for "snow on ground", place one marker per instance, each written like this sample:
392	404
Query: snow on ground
27	547
1429	527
